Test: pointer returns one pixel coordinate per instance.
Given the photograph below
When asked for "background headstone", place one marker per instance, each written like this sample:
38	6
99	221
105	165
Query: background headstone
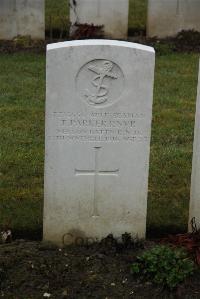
22	17
195	179
98	124
168	17
112	14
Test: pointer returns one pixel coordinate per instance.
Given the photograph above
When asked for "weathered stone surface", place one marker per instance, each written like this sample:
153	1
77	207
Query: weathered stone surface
98	124
22	17
168	17
195	179
112	14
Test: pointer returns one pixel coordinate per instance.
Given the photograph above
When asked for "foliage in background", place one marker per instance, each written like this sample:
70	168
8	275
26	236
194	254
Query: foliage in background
188	41
163	265
189	241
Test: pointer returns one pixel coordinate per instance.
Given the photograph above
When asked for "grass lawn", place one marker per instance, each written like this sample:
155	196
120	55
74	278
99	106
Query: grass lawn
172	139
57	14
22	98
22	140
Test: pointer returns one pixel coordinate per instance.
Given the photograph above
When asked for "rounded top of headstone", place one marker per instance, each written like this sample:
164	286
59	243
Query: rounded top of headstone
99	42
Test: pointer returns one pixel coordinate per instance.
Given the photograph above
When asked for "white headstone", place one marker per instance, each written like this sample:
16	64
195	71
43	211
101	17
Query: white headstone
168	17
195	179
112	14
98	124
22	17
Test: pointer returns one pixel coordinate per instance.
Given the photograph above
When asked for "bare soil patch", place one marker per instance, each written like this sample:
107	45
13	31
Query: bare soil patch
32	269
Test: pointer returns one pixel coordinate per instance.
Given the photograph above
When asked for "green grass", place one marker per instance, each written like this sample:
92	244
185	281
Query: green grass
57	14
172	138
22	140
137	14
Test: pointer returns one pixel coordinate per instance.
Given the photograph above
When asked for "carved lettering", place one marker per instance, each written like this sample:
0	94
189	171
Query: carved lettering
99	126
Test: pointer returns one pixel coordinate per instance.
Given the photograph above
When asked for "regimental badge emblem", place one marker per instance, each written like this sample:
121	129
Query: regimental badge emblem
100	82
101	90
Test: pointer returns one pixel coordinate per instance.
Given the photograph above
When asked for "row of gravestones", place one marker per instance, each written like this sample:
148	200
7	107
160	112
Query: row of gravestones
165	17
97	144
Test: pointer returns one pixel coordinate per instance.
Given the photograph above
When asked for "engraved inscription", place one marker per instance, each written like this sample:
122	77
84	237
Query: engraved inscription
100	82
102	126
96	172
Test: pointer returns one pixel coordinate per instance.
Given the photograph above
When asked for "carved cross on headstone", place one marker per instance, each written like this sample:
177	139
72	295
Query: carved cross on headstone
96	172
